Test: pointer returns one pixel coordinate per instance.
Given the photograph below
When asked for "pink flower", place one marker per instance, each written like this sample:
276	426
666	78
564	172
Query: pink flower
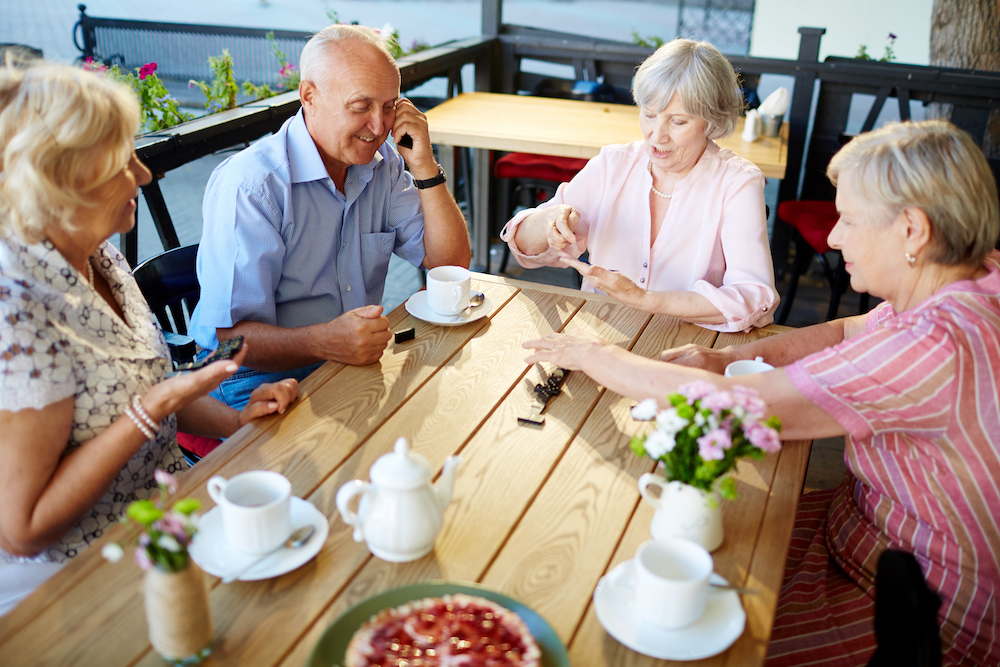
286	70
762	436
146	70
696	390
164	478
711	446
719	401
749	401
142	558
172	524
92	65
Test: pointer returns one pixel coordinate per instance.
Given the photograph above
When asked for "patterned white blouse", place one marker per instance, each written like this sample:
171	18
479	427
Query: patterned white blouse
59	338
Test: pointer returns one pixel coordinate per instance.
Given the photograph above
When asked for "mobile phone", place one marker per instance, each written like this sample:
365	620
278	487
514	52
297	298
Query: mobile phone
227	350
405	141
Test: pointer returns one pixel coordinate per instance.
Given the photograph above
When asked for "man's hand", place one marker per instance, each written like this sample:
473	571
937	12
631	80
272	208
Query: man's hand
357	337
419	158
696	356
611	283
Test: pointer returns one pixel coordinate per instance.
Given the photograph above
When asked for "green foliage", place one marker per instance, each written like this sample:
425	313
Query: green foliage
221	93
158	109
887	57
652	41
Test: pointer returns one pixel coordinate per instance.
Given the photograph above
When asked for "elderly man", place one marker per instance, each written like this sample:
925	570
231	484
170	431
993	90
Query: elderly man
299	227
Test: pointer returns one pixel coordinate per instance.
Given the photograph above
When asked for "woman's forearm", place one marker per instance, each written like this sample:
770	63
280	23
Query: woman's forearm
689	306
530	234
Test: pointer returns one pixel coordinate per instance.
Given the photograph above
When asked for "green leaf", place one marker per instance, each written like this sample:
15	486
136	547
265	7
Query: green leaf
637	445
727	489
187	506
144	512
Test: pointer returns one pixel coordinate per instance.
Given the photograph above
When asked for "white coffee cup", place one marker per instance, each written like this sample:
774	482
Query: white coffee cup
670	580
748	367
448	289
256	509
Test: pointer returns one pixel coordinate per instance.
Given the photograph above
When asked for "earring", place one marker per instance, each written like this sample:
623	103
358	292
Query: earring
910	258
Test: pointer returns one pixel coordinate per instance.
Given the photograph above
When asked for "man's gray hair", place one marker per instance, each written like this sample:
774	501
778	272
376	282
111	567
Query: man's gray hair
316	50
702	78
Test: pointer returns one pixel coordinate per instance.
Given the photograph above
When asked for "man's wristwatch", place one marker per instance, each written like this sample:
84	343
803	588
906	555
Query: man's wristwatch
431	182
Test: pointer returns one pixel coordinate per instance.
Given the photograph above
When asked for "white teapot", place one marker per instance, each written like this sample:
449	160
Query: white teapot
400	512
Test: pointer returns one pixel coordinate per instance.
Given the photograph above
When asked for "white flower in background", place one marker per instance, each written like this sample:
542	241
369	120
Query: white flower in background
659	443
699	419
386	32
645	411
113	552
670	421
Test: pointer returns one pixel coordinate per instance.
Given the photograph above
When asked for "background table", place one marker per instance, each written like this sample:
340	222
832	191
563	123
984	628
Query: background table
548	126
538	513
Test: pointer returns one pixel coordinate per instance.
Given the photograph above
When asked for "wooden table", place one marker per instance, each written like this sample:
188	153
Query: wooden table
548	126
539	514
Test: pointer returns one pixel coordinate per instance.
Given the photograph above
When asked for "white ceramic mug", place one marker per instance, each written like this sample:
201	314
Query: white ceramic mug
448	289
748	367
671	582
256	509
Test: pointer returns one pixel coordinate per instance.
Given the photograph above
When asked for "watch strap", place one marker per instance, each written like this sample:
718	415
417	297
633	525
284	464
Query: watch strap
431	182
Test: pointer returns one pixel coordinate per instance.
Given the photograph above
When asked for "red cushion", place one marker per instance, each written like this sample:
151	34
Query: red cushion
542	167
813	219
197	444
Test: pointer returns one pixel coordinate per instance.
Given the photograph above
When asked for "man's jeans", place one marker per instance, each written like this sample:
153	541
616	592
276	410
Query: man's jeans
235	391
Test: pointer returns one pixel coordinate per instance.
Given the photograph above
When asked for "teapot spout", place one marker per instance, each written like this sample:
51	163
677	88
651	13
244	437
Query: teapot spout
444	486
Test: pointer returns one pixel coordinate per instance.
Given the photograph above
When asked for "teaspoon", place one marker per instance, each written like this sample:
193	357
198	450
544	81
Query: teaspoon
475	301
294	541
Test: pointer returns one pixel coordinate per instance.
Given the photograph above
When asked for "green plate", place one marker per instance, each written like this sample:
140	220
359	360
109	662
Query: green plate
330	650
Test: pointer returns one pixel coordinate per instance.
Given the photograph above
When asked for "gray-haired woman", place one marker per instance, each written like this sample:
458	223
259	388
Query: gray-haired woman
673	223
913	384
86	414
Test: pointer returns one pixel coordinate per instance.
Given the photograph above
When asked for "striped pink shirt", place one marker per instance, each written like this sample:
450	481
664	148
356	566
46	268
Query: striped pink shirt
918	395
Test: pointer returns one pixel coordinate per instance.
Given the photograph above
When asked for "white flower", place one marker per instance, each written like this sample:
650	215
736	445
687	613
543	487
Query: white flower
670	421
386	32
699	419
659	443
169	542
713	422
645	411
113	552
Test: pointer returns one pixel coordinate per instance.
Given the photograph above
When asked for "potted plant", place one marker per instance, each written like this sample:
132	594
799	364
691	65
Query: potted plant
698	441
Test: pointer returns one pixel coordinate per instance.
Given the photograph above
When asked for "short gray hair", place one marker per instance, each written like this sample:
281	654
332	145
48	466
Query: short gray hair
64	132
318	48
702	78
937	168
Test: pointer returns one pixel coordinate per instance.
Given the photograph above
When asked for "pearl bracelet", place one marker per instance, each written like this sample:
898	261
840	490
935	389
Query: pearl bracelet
137	404
142	427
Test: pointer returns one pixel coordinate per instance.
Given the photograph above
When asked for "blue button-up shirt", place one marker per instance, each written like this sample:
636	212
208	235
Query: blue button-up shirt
281	245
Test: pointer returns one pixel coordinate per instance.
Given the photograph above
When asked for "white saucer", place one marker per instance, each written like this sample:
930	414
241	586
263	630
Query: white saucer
214	555
713	633
417	306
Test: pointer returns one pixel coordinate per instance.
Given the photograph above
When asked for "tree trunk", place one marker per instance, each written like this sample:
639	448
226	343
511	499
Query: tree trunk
966	34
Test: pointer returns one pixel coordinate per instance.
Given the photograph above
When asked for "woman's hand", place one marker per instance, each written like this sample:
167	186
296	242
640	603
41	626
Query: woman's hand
560	225
696	356
268	399
569	351
176	393
611	283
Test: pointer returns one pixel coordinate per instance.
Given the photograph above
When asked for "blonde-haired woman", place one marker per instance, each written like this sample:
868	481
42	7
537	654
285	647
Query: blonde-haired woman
913	384
86	414
673	223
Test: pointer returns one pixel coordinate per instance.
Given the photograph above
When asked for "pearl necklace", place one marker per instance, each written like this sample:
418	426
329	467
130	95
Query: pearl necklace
90	274
655	191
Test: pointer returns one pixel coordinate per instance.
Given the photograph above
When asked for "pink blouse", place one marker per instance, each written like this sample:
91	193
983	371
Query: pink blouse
713	240
918	395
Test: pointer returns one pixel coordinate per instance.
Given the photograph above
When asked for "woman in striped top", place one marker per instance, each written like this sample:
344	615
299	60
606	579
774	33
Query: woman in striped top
913	384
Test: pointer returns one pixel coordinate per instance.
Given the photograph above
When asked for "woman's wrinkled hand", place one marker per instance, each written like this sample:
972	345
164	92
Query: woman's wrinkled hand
176	393
610	282
268	399
560	226
696	356
569	351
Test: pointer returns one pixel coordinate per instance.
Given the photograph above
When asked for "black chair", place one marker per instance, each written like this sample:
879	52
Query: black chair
906	624
170	284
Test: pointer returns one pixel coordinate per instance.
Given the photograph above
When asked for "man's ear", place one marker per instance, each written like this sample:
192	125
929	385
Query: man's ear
916	230
307	93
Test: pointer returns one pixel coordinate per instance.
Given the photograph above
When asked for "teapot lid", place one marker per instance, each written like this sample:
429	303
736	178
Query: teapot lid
401	469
